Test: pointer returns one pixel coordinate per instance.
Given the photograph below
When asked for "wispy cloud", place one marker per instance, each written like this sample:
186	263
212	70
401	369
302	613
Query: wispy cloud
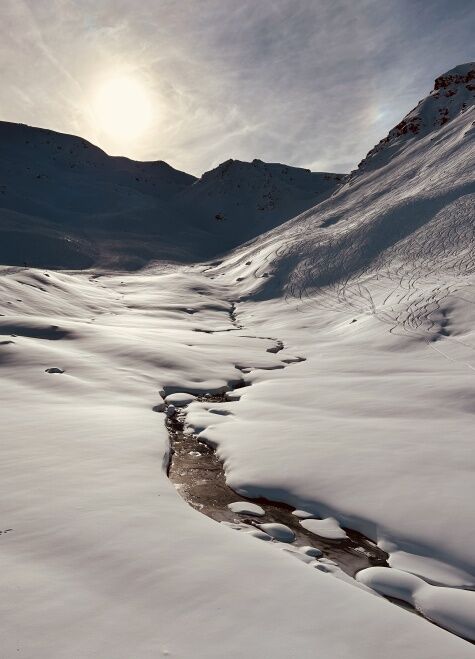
309	82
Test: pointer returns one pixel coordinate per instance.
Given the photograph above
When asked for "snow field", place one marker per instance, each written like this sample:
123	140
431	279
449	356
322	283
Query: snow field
99	559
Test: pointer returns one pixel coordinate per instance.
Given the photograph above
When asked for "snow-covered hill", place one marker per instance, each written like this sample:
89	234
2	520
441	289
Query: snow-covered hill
64	203
246	199
350	332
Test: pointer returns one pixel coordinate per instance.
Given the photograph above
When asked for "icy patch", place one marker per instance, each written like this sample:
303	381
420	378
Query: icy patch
451	608
180	399
246	508
278	531
325	528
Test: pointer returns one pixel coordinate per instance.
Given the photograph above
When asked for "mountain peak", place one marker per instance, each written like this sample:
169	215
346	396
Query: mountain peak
452	95
463	74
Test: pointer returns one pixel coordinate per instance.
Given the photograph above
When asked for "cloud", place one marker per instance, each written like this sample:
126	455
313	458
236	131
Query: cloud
308	82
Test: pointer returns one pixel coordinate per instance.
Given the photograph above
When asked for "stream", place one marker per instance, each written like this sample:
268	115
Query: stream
198	476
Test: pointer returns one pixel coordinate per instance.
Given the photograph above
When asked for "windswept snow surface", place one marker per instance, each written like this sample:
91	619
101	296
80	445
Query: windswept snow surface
351	328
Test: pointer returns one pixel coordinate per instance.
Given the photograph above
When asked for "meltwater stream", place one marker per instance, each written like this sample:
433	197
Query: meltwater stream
198	476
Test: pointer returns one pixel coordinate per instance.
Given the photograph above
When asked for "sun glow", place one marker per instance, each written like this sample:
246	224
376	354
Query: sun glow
122	108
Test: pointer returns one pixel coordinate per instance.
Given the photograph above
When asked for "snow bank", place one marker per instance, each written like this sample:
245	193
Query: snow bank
246	508
325	528
451	608
180	399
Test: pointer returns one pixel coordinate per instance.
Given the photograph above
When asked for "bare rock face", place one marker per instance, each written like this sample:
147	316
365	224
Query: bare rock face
456	77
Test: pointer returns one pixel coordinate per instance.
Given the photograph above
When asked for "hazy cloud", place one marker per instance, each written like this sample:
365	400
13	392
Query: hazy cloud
307	82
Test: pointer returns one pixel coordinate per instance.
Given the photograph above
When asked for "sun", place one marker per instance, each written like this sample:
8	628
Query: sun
122	108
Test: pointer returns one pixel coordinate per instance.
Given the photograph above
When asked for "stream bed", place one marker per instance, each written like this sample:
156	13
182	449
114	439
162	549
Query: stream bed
199	478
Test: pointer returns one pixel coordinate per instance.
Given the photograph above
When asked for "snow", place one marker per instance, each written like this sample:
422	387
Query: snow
365	416
260	535
179	399
246	508
302	514
435	571
104	558
451	608
325	528
277	531
452	96
102	546
300	556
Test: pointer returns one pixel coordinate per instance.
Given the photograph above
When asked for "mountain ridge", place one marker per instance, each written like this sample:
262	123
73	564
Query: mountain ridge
61	195
66	204
451	95
408	222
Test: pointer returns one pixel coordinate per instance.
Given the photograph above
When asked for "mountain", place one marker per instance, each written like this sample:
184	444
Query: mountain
406	211
67	204
451	96
249	198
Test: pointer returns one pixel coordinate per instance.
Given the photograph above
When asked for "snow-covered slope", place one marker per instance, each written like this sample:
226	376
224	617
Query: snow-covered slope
65	203
249	198
451	96
375	287
413	209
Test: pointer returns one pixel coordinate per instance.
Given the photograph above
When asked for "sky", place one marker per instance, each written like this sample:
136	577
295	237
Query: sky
311	83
